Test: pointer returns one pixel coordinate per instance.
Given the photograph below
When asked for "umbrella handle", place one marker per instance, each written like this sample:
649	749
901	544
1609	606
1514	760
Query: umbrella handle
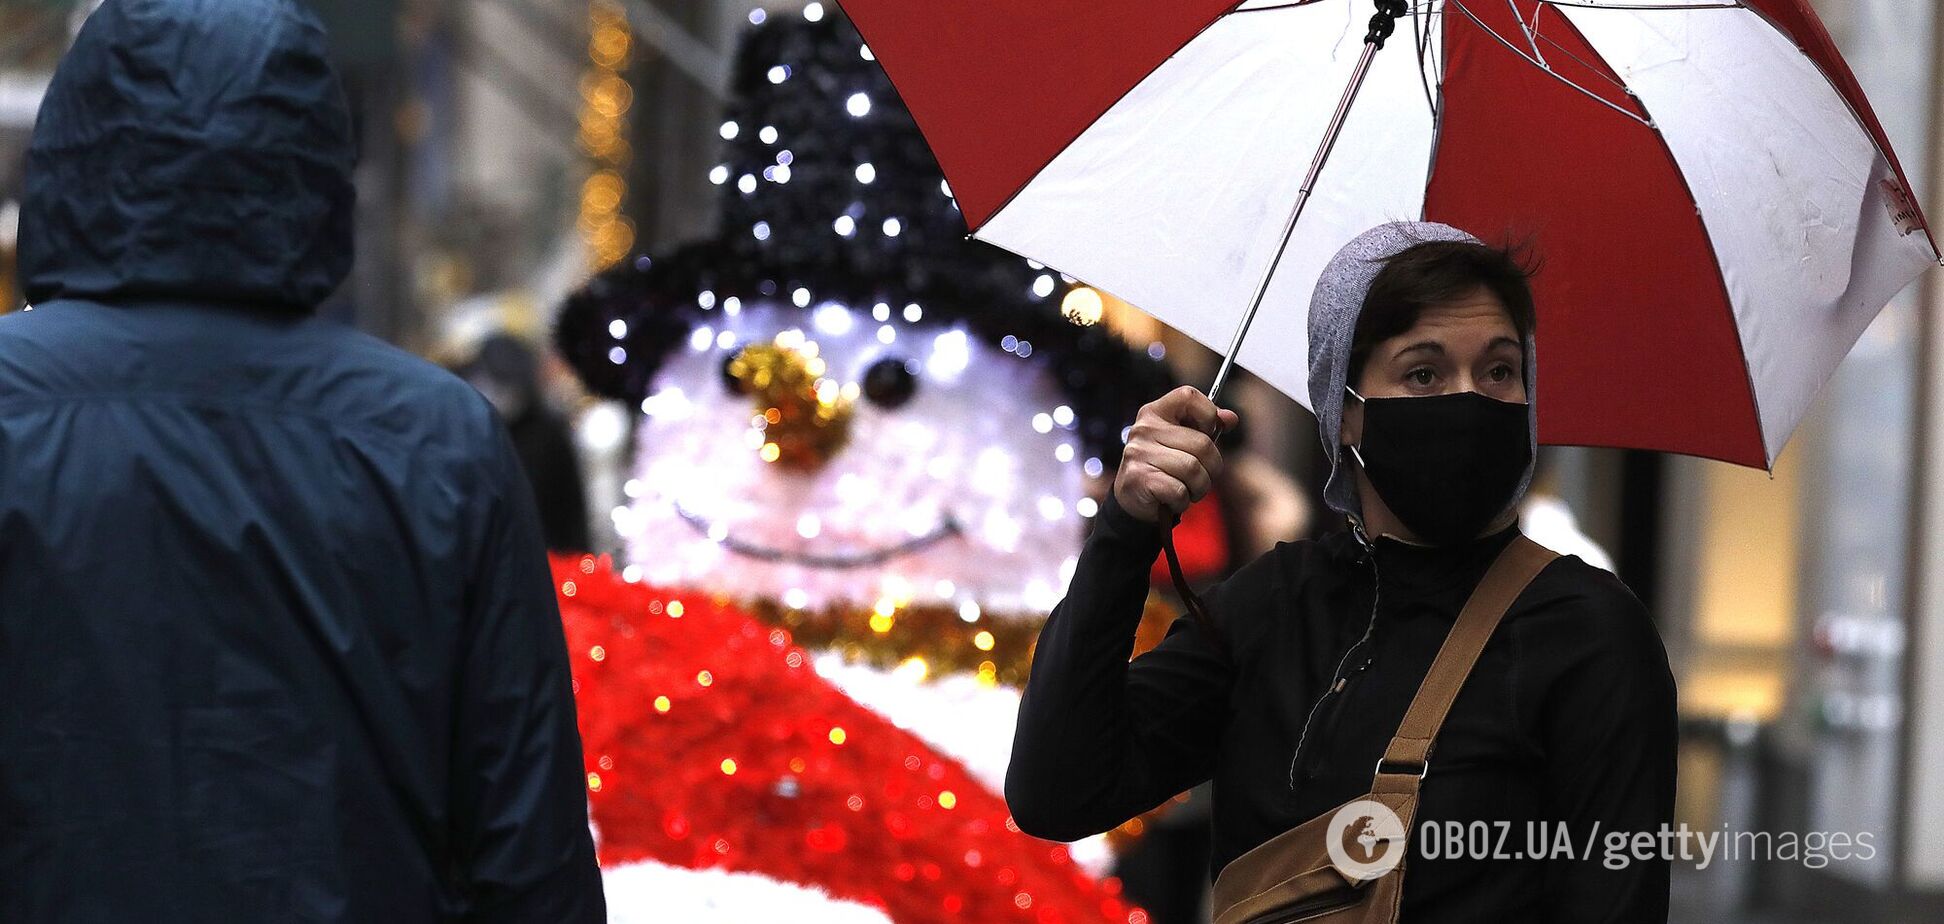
1385	21
1190	601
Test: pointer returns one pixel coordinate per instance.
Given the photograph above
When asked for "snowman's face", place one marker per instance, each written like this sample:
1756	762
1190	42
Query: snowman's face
827	454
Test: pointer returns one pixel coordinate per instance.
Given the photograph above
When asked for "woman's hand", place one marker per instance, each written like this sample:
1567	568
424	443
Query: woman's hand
1170	461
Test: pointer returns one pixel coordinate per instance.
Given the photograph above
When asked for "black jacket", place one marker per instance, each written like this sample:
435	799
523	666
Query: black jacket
1568	717
278	640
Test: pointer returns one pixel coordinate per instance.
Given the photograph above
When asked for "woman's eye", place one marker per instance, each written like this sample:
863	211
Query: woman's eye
1421	377
1500	373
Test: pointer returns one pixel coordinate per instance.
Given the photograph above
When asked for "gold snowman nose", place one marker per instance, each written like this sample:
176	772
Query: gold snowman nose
802	419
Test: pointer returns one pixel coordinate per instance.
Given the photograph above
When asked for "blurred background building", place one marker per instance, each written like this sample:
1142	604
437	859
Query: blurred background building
511	147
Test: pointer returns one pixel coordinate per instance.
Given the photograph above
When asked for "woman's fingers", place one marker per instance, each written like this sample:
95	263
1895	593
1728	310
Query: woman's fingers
1175	477
1189	407
1171	460
1193	442
1162	495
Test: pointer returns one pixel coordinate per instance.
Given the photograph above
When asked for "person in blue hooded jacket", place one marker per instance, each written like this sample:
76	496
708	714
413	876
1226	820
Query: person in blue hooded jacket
277	636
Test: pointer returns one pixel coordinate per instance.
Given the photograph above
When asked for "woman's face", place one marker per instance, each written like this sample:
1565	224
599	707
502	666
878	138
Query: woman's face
1468	344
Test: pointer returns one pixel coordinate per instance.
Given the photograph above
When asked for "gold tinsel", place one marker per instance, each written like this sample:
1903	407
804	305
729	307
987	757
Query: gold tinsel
998	650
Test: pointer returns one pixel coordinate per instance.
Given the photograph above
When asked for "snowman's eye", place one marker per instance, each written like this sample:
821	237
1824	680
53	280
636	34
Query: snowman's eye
890	382
730	381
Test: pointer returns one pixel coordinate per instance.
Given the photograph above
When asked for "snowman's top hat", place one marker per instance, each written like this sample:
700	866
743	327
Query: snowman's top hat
828	188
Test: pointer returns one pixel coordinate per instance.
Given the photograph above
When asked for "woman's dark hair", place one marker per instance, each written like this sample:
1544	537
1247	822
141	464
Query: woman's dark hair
1436	272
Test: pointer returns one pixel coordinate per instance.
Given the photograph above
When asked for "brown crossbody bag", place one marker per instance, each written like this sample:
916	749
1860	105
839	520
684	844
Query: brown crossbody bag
1293	877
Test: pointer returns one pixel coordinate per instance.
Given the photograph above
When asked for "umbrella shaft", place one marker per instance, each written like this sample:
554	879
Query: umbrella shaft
1330	136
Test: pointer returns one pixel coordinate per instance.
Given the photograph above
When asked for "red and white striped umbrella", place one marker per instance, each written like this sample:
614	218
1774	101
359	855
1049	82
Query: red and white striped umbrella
1718	210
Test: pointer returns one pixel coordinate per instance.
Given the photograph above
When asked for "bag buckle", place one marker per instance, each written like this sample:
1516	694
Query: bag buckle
1423	768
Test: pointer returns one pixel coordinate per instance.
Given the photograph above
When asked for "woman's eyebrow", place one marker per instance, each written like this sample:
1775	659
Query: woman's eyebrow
1505	342
1429	346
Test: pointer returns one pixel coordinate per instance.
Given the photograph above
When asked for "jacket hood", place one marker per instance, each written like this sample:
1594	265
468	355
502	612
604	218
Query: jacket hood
194	150
1334	309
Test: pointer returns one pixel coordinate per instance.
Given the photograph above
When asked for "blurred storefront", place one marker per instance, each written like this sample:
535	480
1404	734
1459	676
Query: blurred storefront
33	33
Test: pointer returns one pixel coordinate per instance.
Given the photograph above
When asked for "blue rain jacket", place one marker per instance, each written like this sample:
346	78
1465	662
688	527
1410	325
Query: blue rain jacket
278	641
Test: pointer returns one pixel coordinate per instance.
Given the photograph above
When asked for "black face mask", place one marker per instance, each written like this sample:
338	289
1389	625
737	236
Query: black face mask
1445	464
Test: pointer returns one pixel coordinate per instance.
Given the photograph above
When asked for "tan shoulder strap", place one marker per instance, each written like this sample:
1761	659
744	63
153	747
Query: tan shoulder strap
1409	753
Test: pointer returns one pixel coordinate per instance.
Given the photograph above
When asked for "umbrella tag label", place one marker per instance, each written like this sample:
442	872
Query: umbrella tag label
1903	211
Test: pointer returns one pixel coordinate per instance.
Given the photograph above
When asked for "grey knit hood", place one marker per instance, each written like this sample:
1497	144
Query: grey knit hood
1334	309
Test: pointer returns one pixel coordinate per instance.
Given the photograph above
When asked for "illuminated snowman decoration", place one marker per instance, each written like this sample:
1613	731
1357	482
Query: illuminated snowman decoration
861	457
900	477
865	430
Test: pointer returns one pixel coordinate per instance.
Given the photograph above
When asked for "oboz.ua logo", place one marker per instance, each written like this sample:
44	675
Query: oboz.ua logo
1365	840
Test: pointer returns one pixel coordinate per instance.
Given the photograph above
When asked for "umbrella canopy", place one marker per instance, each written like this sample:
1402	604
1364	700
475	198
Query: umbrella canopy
1718	210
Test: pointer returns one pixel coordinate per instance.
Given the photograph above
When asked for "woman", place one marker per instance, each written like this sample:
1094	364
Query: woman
1422	376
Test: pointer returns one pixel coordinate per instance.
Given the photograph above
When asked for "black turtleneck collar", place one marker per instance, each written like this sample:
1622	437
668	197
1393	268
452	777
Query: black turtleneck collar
1418	570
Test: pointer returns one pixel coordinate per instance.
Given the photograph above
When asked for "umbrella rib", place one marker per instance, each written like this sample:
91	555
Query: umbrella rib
1279	6
1530	30
1582	62
1421	37
1436	62
1509	46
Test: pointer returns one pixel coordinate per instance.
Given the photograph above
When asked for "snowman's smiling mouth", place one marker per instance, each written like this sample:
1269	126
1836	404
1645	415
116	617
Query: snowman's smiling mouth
946	528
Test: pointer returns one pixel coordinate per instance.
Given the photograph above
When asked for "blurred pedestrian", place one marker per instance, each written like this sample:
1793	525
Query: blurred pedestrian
507	372
277	636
